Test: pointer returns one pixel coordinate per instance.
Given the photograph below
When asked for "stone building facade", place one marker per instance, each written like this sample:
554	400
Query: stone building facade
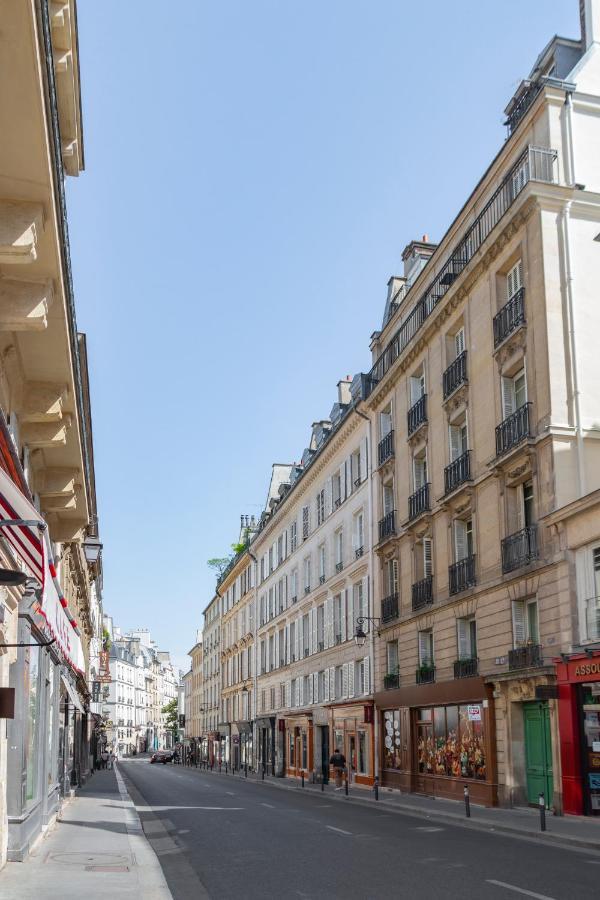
211	680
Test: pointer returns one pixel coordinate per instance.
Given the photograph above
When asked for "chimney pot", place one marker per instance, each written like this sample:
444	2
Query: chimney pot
425	238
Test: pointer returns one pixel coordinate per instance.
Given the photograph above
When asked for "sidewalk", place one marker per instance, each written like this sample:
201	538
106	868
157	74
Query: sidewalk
577	831
97	849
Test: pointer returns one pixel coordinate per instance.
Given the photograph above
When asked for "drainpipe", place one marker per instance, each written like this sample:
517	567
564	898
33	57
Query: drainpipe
575	393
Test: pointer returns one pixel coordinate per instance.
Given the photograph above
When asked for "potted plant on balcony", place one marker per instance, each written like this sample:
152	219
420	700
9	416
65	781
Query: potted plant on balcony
425	672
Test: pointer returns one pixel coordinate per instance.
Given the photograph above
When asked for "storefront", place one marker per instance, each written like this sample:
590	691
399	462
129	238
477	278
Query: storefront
224	745
265	735
436	738
351	731
298	745
578	680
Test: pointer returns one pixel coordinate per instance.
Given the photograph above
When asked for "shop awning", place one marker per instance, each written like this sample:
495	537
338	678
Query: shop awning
243	727
73	695
26	531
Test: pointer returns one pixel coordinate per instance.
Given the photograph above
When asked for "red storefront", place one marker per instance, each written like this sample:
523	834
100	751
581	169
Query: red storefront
578	678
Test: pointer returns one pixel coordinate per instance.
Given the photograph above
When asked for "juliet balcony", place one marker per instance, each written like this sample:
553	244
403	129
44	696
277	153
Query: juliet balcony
419	502
510	317
519	549
385	448
417	415
528	657
462	574
387	525
389	608
466	668
455	375
513	430
458	472
422	593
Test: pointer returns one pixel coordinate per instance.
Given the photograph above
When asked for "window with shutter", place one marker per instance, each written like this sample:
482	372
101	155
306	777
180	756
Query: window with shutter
514	280
343	617
419	471
459	342
392	657
344	692
460	540
519	623
417	387
462	630
363	462
508	397
520	389
332	684
367	675
427	557
455	439
350	680
425	648
305	522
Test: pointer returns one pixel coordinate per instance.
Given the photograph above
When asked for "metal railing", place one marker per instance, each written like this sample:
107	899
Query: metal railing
457	472
359	552
522	105
510	317
321	579
513	430
529	656
418	502
466	668
425	675
455	375
387	525
422	593
385	448
417	414
391	681
389	607
534	164
462	574
519	549
339	566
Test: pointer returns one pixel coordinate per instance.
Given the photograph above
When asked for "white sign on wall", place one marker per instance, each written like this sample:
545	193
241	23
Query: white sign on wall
474	713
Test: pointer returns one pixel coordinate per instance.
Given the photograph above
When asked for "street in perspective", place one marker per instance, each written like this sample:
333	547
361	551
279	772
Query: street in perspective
372	670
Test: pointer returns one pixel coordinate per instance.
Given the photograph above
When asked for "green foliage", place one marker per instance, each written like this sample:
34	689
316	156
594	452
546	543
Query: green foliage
219	564
171	711
105	639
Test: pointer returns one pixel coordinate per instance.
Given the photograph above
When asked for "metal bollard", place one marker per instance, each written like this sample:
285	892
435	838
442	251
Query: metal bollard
346	785
542	803
467	802
263	773
226	768
302	776
376	788
322	782
245	770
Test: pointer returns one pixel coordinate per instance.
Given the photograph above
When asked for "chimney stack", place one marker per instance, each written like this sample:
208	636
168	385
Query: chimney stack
343	386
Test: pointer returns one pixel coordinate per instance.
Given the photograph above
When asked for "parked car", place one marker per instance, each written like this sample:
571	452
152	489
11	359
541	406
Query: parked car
163	756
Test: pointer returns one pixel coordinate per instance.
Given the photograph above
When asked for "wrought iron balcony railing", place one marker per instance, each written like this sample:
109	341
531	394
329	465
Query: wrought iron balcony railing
425	675
510	317
387	525
466	668
422	593
462	574
359	552
534	164
389	608
513	430
519	549
391	681
528	657
457	472
455	374
418	502
417	414
339	566
385	449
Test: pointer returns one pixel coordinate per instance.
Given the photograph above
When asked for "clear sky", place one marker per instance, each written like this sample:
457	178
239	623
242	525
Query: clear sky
253	173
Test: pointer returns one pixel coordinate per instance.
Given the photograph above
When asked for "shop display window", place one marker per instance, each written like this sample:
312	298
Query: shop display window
450	741
590	696
391	739
32	689
363	753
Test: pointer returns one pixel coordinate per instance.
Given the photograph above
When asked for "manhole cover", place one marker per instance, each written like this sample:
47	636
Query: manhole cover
90	859
107	868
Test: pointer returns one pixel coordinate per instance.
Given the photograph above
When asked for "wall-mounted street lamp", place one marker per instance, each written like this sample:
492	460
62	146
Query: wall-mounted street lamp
360	636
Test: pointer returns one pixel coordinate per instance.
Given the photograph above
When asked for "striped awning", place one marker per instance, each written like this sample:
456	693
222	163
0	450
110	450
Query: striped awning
27	533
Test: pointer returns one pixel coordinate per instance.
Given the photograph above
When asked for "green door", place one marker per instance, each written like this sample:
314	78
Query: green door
538	752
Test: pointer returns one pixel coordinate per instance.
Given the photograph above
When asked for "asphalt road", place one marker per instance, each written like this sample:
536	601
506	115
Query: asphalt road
223	837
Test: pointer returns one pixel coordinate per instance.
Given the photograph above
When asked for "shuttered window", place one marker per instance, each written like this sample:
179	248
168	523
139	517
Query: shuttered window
514	280
426	648
459	342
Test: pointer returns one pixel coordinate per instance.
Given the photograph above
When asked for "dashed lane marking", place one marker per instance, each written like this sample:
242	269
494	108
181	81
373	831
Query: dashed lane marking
268	805
337	830
518	890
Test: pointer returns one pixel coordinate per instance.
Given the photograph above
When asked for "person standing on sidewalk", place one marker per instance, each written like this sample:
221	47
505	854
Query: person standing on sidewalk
338	761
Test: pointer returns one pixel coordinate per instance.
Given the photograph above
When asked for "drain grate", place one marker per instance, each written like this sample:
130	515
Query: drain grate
90	859
107	868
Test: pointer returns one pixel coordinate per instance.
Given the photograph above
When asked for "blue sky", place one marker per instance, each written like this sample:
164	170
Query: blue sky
253	173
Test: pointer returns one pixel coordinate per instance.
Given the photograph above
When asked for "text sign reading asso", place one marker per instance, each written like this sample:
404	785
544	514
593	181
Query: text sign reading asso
474	713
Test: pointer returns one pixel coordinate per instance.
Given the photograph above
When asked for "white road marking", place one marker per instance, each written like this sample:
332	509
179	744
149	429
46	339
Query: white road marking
166	808
518	890
268	805
231	794
427	828
339	830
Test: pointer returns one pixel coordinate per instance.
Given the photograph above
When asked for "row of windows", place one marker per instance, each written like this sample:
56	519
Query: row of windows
342	682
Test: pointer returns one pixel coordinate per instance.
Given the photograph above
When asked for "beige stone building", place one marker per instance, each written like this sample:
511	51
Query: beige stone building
193	724
236	589
211	680
483	402
313	561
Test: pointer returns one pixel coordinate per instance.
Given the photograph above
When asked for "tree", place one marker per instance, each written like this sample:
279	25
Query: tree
170	710
105	639
219	564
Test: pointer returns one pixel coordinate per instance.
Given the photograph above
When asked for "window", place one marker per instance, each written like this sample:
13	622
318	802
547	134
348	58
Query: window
361	676
420	470
294	585
458	440
528	517
294	699
525	622
339	684
337	619
307	575
514	280
305	635
321	626
355	464
514	393
358	599
426	648
391	577
450	743
417	386
270	560
359	530
320	507
279	549
320	687
385	421
339	549
336	490
322	563
293	536
392	743
293	640
423	558
459	342
305	522
388	498
466	638
463	539
306	690
392	657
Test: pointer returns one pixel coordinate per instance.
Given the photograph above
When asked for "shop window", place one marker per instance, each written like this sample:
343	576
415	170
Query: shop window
362	756
525	622
450	742
31	677
292	749
391	739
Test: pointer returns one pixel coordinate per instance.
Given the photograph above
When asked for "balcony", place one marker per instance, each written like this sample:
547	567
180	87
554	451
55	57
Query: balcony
359	552
519	549
418	502
387	525
527	657
510	317
391	681
461	574
422	593
294	600
466	668
307	588
306	652
339	566
321	646
513	431
457	472
455	375
338	637
417	414
321	579
425	674
389	608
519	105
385	449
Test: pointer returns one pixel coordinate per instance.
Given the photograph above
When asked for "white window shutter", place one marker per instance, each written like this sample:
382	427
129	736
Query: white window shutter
351	622
459	341
460	540
313	632
394	585
351	667
462	637
288	694
454	436
344	681
331	682
343	614
367	675
364	467
508	397
328	496
276	649
287	644
315	687
519	622
298	649
514	279
329	622
419	472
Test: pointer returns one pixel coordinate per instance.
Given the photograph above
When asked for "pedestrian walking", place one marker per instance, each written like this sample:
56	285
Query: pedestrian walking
111	759
338	761
104	759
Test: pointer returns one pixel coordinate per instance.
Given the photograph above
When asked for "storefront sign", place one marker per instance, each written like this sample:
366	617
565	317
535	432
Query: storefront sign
594	761
474	713
545	692
584	669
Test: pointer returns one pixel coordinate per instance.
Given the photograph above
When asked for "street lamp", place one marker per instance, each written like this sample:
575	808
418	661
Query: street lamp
360	636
